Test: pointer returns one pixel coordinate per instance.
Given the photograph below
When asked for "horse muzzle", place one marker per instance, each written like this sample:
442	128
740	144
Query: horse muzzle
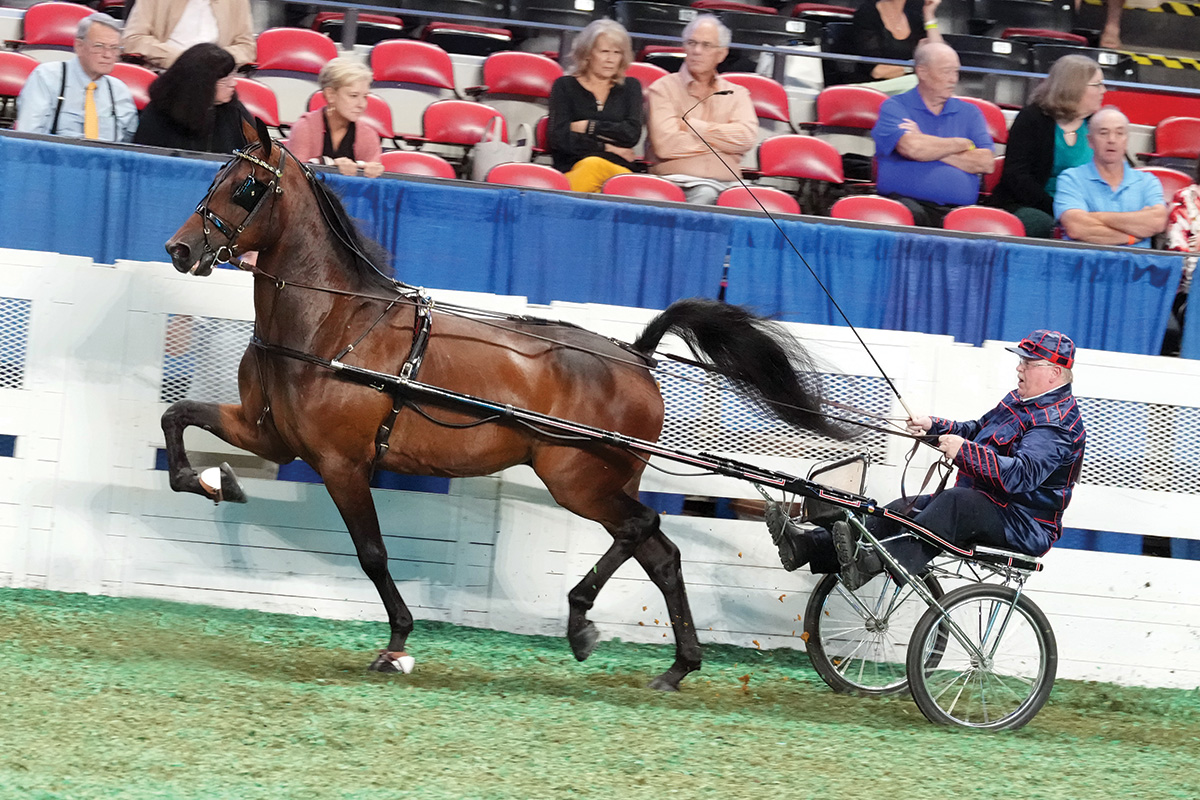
182	256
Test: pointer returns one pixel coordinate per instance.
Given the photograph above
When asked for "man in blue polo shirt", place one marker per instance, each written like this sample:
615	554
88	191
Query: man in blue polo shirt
1106	201
931	147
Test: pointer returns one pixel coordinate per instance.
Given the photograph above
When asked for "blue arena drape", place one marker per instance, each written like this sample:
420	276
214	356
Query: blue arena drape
110	204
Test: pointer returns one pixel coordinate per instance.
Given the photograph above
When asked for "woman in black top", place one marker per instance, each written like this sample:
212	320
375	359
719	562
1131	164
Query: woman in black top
892	29
595	111
194	105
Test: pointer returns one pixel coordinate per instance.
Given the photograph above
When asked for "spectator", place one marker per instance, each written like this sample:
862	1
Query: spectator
331	134
1048	136
595	110
194	105
1183	235
930	146
726	122
77	97
1106	201
160	30
892	29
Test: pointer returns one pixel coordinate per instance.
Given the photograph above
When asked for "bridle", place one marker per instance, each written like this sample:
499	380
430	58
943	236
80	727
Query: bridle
249	195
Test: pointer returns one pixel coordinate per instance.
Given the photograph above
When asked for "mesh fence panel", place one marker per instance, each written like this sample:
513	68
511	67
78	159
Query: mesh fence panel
14	335
705	413
201	356
1147	446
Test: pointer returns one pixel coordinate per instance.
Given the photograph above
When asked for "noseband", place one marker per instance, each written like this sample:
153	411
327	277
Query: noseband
249	195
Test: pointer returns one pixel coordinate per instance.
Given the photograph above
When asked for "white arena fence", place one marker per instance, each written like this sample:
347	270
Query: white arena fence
91	355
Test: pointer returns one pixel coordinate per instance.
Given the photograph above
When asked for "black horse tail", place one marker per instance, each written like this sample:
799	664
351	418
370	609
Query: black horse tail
769	366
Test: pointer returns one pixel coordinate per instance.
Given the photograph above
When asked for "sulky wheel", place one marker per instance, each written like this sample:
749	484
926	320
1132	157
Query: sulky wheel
998	682
857	640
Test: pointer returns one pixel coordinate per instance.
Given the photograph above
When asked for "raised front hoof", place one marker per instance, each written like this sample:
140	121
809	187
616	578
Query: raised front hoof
221	484
583	641
392	662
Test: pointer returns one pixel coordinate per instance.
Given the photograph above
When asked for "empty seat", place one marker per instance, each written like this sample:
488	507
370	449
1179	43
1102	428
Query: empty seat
872	208
994	17
982	219
997	125
532	176
646	74
662	19
14	71
48	30
409	75
1176	141
518	85
665	57
137	80
469	40
770	102
555	12
855	107
259	100
1172	180
990	54
289	60
377	115
715	6
454	126
414	162
807	164
646	187
369	28
773	200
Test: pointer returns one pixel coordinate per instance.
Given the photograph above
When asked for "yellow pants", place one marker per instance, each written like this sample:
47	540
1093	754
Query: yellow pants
590	173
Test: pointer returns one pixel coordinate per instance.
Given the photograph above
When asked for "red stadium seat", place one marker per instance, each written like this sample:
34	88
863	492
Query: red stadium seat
411	162
769	98
804	157
515	73
533	176
294	50
377	115
1043	36
982	219
872	208
405	61
539	135
645	74
646	187
849	107
457	125
137	80
992	180
993	116
14	71
1176	137
259	100
774	200
51	26
1172	180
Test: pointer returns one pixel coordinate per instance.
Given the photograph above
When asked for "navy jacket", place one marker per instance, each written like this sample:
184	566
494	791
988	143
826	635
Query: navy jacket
1025	455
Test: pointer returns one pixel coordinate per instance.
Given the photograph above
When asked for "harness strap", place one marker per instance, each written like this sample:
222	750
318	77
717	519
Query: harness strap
422	323
938	466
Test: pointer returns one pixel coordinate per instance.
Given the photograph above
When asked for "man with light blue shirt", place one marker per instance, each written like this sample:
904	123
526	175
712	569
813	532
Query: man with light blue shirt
1106	201
78	97
930	146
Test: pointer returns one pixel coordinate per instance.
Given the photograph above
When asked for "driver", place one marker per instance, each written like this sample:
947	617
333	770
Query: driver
1016	466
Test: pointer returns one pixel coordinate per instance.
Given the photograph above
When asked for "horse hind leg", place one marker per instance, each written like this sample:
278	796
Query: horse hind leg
659	557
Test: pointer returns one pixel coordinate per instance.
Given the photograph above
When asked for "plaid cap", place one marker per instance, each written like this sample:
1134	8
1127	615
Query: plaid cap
1055	347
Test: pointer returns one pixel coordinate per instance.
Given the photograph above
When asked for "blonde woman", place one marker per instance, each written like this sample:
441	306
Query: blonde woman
332	135
595	111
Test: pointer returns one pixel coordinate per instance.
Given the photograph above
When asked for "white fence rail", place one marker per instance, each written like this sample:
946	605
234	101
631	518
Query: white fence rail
95	349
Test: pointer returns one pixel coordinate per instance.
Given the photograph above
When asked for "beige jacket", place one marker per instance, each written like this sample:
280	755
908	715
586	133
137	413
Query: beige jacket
727	122
150	24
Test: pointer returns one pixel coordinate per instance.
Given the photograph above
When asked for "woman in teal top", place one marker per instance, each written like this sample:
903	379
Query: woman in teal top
1048	136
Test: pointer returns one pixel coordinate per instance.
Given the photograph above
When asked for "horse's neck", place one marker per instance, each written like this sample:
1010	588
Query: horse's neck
304	275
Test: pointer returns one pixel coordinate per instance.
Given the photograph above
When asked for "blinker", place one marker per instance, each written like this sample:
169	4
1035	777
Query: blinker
250	193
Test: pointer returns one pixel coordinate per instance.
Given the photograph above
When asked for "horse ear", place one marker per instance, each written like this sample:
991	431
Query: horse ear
249	132
264	137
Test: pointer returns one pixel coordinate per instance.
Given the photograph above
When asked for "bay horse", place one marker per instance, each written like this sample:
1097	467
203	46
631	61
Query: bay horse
320	295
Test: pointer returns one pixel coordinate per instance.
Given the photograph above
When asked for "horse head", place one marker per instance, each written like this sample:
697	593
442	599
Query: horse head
235	216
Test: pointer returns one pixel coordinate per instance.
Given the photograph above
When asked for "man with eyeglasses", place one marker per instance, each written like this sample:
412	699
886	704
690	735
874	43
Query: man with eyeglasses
1017	466
1106	201
78	97
719	114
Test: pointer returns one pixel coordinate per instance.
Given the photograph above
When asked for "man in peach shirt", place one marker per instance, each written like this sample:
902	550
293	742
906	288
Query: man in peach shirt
721	113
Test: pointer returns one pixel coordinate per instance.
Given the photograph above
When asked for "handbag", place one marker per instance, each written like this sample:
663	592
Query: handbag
493	150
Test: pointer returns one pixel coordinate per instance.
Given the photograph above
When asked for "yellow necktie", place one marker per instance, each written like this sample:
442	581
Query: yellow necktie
91	120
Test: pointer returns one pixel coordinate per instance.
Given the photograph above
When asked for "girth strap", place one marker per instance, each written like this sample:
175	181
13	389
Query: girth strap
422	323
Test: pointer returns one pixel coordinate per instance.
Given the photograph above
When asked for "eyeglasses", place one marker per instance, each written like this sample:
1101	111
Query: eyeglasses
100	49
696	44
1024	365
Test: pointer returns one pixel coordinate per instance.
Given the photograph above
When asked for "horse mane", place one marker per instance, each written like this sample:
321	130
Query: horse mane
371	263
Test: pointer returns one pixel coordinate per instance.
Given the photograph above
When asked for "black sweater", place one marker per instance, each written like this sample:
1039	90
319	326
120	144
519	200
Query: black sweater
619	123
1028	162
872	38
159	130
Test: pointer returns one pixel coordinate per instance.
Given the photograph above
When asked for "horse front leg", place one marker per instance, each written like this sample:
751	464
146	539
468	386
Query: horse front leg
350	489
228	423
